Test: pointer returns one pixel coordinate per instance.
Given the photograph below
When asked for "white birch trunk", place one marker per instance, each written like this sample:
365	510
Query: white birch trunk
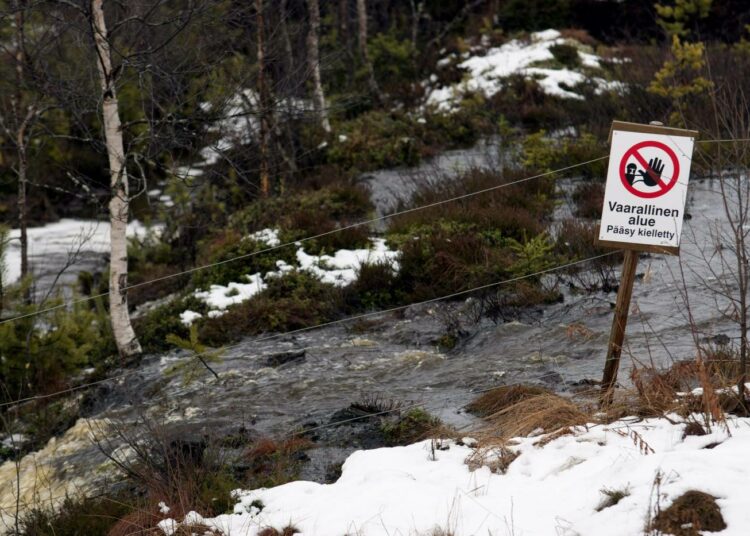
313	60
362	30
127	343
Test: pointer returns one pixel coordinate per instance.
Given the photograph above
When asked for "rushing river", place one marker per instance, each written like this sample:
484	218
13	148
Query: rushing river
394	355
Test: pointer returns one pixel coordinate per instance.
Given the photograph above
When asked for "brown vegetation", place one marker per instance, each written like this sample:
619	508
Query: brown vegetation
689	515
502	397
286	531
544	412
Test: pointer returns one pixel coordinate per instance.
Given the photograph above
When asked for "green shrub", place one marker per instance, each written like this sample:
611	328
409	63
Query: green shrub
461	128
440	261
154	326
589	199
301	214
566	55
376	140
394	63
198	361
409	427
479	240
541	153
39	354
76	517
229	245
294	300
150	259
576	241
375	287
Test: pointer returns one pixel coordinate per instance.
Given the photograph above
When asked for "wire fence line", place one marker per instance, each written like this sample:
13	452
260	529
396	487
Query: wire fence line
302	431
313	237
327	324
269	249
362	223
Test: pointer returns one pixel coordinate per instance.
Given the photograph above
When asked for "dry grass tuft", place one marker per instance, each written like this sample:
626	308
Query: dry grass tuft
289	530
497	459
545	413
657	392
549	438
611	497
501	398
191	530
689	515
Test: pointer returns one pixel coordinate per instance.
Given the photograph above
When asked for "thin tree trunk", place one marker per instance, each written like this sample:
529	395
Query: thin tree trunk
313	60
288	49
22	171
264	103
127	343
344	23
290	78
416	17
363	50
21	124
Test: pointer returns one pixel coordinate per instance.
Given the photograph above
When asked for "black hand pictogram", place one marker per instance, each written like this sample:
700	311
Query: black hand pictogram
652	175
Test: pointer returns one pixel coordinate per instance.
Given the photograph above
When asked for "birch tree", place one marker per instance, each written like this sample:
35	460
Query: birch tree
313	59
127	343
372	84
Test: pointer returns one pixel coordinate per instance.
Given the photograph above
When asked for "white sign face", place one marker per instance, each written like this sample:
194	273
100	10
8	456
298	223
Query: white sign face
646	190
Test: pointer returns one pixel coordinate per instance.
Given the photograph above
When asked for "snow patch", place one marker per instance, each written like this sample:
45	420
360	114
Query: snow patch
339	269
485	72
187	317
551	489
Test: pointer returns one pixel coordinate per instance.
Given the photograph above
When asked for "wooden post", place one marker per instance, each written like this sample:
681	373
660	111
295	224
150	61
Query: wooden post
620	321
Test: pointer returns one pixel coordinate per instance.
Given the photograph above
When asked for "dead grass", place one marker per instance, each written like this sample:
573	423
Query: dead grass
663	391
543	413
502	398
191	530
689	515
496	458
289	530
611	497
549	438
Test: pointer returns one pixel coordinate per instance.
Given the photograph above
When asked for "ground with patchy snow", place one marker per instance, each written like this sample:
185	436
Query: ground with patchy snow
554	489
486	70
339	269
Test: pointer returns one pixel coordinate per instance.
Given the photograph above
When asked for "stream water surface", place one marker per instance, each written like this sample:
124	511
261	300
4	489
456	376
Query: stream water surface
395	357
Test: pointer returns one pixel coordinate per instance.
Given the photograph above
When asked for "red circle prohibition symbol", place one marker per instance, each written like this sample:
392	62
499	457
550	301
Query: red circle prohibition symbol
664	186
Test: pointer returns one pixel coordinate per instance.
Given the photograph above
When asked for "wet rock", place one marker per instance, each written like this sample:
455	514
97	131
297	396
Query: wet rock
551	377
284	358
719	340
586	382
354	413
185	451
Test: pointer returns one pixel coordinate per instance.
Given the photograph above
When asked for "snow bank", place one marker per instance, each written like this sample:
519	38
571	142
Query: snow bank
549	490
62	237
485	73
339	269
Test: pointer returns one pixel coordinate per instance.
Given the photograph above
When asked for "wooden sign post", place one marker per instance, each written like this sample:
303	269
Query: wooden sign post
644	206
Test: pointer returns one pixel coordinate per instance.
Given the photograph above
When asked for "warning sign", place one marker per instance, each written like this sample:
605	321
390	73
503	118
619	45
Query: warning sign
646	190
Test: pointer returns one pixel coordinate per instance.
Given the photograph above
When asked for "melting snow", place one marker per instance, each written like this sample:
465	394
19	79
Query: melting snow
554	489
220	296
187	317
486	72
339	269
